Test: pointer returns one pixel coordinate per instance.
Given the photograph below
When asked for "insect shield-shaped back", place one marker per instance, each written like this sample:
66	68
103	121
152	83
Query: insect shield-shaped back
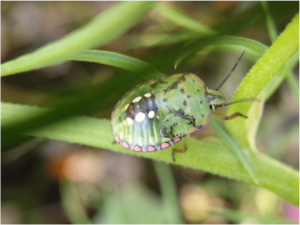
159	113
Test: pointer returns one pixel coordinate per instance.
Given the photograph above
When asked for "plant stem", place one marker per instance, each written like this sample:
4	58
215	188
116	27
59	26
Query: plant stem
281	51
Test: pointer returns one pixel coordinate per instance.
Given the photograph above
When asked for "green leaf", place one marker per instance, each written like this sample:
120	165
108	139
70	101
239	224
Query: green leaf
150	40
117	60
99	31
252	45
269	22
182	20
209	155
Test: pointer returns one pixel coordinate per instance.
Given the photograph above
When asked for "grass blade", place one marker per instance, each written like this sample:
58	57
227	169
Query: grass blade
273	34
222	40
99	31
72	204
292	82
169	193
150	40
233	146
117	60
182	20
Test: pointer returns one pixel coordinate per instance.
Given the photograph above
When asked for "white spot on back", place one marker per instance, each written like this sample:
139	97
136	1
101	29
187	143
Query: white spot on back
137	99
140	117
125	107
129	121
151	114
147	95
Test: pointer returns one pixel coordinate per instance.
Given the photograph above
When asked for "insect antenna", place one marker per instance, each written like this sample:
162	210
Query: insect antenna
241	100
228	75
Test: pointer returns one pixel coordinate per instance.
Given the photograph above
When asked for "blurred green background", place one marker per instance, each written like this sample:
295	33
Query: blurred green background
45	181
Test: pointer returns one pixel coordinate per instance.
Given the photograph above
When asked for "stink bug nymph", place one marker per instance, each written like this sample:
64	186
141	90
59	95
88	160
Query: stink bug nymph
160	112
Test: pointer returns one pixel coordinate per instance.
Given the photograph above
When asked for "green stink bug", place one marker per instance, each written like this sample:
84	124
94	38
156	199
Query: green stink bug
160	112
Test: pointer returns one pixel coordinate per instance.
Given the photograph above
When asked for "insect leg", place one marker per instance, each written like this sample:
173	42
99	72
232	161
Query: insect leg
183	150
231	116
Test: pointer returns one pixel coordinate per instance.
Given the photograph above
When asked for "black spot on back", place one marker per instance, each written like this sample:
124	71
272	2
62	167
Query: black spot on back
181	114
182	90
164	132
147	104
192	121
172	86
165	99
199	127
183	76
184	103
175	84
156	84
189	96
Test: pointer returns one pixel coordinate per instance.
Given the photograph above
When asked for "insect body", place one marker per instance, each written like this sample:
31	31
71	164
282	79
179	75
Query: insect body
161	112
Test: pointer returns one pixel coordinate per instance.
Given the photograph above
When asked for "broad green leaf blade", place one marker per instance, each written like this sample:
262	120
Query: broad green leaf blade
255	46
209	155
99	31
182	20
258	78
117	60
226	136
